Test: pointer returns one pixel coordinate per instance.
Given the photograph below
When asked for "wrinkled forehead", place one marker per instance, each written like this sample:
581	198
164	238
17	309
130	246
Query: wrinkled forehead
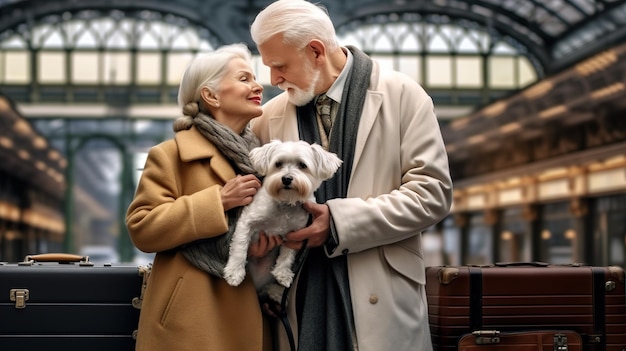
275	52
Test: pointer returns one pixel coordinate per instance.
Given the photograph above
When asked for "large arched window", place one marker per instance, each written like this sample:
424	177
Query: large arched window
98	52
441	55
460	64
89	49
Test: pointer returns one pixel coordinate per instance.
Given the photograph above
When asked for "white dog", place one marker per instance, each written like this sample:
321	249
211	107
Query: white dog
293	170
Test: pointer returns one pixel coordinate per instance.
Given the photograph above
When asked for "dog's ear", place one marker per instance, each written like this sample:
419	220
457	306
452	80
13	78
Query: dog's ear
260	157
328	162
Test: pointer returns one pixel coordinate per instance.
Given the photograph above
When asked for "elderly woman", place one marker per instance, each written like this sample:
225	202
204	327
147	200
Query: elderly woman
188	196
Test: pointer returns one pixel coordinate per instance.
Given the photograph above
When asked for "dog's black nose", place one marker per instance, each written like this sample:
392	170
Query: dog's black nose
287	180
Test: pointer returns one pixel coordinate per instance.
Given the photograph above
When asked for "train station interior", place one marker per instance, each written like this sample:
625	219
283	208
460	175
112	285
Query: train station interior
530	96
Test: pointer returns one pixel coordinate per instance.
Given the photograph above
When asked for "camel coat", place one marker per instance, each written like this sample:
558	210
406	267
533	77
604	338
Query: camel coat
400	185
178	201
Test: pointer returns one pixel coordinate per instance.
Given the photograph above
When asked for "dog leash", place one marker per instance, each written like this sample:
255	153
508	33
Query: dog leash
281	311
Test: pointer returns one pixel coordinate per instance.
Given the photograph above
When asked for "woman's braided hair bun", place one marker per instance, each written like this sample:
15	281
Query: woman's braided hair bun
191	109
184	122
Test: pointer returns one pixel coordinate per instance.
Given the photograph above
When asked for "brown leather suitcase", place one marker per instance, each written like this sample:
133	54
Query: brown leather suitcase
513	297
65	302
537	340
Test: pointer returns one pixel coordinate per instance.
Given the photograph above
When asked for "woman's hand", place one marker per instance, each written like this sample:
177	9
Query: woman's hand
239	191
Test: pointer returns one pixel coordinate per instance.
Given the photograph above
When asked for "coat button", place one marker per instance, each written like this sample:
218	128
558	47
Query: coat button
373	299
344	252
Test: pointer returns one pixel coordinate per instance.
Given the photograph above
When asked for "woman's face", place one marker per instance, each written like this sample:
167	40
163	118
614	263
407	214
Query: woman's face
239	96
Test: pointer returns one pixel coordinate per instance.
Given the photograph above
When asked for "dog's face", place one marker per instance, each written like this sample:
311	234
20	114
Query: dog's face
293	170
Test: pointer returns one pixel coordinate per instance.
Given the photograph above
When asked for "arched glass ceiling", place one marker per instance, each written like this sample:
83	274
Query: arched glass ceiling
413	37
554	33
607	24
90	29
444	55
563	25
557	33
112	30
114	49
152	50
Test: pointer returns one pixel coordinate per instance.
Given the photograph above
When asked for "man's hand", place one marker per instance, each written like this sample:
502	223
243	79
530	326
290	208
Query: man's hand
264	245
316	233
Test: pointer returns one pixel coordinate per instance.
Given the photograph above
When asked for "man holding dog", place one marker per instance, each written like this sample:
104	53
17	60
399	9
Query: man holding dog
361	285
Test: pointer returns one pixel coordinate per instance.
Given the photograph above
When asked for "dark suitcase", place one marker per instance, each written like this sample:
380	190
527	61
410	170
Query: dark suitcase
513	297
537	340
65	302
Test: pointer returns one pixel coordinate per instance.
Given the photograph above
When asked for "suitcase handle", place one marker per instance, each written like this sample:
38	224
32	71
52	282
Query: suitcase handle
56	257
519	264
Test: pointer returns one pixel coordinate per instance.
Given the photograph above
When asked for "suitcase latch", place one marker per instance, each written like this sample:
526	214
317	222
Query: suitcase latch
486	337
145	272
20	296
560	342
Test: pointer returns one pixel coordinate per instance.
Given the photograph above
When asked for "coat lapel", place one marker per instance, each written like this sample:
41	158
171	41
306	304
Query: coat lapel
284	129
193	146
371	107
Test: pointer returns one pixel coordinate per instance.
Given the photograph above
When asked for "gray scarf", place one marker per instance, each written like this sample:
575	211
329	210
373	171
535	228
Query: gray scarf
210	255
323	294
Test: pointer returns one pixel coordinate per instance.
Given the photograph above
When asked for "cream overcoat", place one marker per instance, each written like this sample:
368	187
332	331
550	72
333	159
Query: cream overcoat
178	201
400	185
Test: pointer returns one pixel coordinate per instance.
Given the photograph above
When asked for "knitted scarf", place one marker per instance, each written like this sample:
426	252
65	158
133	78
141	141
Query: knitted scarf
210	255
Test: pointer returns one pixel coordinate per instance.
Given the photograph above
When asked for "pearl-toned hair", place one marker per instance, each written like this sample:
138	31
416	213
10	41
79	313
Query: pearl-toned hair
299	21
206	70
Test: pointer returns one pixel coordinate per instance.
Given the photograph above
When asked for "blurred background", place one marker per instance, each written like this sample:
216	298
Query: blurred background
529	94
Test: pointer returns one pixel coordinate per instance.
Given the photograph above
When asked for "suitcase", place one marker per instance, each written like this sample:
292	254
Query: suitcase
66	302
511	297
538	340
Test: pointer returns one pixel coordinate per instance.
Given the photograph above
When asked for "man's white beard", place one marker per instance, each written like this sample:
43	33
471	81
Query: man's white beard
300	97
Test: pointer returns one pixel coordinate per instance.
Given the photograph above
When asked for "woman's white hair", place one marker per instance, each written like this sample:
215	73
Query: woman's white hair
299	21
206	70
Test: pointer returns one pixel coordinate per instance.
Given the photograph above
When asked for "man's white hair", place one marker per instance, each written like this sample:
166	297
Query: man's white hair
298	21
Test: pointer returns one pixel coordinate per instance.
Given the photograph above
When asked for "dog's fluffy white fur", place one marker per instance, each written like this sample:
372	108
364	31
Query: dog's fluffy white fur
293	170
